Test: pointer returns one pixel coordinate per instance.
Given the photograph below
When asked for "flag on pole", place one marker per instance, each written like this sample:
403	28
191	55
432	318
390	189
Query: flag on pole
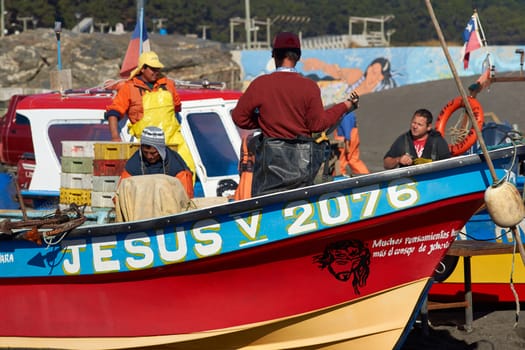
136	46
471	38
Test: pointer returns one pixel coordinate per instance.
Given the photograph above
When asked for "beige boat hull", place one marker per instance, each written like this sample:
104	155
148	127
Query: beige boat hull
375	322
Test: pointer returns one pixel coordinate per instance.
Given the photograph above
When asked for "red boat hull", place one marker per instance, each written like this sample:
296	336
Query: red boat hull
257	285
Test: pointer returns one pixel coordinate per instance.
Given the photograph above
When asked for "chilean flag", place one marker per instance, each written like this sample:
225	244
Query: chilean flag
471	38
135	48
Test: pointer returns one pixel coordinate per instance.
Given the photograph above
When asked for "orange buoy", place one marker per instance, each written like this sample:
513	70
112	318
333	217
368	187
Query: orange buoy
464	143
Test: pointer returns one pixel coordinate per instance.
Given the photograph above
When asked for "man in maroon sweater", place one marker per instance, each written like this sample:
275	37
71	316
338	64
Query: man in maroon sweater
288	108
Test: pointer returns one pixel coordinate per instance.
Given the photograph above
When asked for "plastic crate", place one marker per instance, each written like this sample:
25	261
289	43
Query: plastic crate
74	195
104	167
115	150
78	149
130	150
102	199
78	165
80	181
105	183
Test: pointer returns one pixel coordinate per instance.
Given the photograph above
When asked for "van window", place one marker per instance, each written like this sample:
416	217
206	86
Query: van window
77	132
213	144
21	119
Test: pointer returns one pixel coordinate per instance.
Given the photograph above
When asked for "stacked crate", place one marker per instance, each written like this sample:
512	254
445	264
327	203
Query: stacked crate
109	161
77	173
91	172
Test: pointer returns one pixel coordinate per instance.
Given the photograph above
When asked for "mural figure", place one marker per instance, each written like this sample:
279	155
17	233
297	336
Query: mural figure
377	76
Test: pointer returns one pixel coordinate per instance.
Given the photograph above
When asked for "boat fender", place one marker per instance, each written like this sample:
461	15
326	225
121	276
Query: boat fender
462	144
504	204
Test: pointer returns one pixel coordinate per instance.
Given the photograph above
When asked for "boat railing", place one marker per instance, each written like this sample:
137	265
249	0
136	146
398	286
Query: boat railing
89	92
112	85
203	84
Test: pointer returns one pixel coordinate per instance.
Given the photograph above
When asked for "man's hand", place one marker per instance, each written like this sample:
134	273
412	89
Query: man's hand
354	98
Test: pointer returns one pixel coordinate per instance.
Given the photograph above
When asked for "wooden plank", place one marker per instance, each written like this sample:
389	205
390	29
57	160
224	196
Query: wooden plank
472	248
434	305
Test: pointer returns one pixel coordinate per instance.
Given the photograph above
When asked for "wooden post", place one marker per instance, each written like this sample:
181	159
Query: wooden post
61	80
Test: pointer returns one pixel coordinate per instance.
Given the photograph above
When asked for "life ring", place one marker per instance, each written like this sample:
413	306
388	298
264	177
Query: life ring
463	142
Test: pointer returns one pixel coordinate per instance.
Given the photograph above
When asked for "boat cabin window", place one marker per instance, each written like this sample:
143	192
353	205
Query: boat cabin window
77	132
213	144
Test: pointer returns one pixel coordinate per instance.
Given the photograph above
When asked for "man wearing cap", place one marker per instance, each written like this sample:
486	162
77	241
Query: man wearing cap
149	98
288	108
155	158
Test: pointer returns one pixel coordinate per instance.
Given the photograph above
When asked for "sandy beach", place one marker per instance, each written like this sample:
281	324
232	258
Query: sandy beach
493	329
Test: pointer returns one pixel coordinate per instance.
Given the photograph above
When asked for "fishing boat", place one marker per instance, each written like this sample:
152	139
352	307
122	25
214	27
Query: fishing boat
342	264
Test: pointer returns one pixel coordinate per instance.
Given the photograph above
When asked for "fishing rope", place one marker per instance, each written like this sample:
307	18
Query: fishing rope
512	164
51	240
514	292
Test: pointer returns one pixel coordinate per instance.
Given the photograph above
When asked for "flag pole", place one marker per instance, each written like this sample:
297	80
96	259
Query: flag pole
462	92
140	19
483	38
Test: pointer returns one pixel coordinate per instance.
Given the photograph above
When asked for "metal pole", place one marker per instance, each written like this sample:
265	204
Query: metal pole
140	18
2	23
462	92
248	24
58	30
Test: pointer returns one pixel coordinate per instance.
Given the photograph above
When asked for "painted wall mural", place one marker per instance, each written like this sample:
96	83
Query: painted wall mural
368	70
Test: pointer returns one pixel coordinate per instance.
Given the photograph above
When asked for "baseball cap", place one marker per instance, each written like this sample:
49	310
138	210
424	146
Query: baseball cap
286	40
153	136
148	58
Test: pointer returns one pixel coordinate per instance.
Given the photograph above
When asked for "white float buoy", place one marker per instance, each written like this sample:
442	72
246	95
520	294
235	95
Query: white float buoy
504	204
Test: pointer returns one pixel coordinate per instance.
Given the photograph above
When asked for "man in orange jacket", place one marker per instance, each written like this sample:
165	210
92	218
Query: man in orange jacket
149	99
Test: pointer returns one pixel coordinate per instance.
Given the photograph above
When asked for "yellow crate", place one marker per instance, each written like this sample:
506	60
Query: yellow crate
118	150
115	150
135	146
132	148
74	195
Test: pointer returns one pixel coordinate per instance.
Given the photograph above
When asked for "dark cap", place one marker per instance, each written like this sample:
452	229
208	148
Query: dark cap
286	40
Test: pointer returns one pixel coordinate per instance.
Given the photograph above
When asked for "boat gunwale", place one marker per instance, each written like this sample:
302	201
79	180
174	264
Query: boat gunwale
295	194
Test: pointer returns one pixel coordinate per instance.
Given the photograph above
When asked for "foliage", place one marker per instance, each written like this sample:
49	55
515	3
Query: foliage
501	20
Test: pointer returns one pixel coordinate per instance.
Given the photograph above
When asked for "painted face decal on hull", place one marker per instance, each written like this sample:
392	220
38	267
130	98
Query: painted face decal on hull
345	260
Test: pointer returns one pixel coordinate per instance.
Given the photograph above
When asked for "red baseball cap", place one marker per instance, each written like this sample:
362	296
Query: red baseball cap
286	40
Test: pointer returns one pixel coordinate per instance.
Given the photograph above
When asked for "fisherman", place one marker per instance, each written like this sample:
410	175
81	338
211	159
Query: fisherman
148	98
287	107
154	157
419	145
348	136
